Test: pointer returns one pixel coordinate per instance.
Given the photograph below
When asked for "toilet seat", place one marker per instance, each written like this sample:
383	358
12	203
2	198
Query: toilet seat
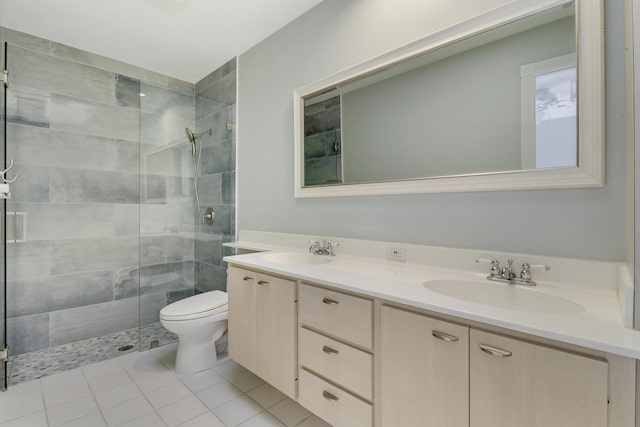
196	307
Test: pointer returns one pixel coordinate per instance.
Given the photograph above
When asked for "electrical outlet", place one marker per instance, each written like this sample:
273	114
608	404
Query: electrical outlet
397	253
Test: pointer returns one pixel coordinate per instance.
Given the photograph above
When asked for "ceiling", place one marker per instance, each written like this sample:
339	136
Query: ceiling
186	39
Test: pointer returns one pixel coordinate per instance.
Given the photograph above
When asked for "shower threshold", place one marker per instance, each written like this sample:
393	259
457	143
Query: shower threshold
54	360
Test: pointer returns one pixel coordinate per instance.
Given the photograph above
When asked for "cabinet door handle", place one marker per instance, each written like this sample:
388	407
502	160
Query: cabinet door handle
329	396
246	278
330	301
444	337
494	351
262	282
329	350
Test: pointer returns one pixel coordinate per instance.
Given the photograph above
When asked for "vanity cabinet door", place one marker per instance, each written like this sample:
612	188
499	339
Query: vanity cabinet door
242	290
277	325
424	371
262	326
515	383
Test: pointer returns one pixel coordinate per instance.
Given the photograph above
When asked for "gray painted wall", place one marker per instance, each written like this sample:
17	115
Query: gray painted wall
586	223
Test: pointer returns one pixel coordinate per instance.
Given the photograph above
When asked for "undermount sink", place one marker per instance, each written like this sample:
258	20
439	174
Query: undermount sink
504	295
296	258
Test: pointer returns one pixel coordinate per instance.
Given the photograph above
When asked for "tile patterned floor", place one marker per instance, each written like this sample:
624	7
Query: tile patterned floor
41	363
142	390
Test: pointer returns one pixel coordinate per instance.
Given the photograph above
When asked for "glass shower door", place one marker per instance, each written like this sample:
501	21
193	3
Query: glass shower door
4	356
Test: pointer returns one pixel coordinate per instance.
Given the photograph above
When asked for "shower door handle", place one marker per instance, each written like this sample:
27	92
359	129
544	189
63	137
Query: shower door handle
3	174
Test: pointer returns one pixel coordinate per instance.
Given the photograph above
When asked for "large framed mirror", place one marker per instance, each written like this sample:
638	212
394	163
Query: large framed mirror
511	99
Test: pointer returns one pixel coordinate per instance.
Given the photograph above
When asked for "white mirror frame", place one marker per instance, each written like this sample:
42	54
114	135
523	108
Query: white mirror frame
590	59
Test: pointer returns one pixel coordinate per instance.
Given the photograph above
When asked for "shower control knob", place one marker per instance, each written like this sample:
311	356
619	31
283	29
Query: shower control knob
209	216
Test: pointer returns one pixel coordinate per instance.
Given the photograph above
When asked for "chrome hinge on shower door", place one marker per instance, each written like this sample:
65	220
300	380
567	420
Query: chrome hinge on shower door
4	354
4	78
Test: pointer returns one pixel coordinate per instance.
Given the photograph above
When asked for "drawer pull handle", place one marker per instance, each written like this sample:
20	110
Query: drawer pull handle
329	350
246	278
494	351
444	337
330	301
262	282
329	396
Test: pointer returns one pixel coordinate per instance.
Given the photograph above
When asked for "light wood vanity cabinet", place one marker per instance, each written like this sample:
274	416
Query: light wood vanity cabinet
347	353
336	363
262	326
516	383
424	374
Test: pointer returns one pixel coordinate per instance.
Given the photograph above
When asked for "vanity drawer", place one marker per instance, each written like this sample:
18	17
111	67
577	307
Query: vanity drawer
341	315
332	404
340	363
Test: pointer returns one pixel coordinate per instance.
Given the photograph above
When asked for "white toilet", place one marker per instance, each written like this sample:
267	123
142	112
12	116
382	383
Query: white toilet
198	321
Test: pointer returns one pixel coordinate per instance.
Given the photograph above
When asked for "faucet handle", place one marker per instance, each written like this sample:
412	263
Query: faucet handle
525	274
495	266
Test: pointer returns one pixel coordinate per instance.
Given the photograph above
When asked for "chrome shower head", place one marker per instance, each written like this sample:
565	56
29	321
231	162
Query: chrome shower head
193	136
190	135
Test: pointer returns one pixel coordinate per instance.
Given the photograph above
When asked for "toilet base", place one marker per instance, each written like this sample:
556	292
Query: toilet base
195	354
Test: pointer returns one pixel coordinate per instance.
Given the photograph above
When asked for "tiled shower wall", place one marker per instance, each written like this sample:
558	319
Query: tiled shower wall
98	231
215	110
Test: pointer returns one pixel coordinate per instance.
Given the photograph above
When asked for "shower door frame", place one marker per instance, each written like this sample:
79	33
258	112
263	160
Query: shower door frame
4	347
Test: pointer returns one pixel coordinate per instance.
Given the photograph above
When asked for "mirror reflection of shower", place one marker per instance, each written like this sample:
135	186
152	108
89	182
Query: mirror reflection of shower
196	154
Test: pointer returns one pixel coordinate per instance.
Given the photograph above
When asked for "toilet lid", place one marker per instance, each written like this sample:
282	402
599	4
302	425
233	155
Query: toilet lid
200	305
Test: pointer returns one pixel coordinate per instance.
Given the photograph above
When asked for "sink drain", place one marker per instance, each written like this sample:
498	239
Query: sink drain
125	348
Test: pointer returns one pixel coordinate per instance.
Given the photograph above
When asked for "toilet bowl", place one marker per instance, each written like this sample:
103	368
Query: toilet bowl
198	321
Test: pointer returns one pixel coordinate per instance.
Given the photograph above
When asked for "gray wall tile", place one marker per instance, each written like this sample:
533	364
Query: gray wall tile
48	147
32	184
93	254
127	219
218	157
217	122
211	277
28	106
168	104
89	186
180	247
164	219
173	160
44	294
156	129
224	222
27	68
208	248
28	333
53	221
17	38
222	90
80	323
127	91
150	306
27	259
166	277
153	250
127	282
81	116
227	68
229	188
206	107
174	296
210	189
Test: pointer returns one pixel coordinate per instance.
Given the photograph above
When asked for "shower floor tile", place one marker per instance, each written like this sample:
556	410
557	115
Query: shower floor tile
54	360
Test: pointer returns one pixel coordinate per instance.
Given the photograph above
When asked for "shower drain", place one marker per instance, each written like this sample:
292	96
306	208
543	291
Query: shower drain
125	348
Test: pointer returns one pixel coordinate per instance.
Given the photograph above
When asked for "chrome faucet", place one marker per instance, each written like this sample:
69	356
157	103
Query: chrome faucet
326	248
508	274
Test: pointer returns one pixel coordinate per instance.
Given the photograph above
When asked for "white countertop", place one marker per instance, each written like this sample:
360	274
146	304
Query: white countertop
599	326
